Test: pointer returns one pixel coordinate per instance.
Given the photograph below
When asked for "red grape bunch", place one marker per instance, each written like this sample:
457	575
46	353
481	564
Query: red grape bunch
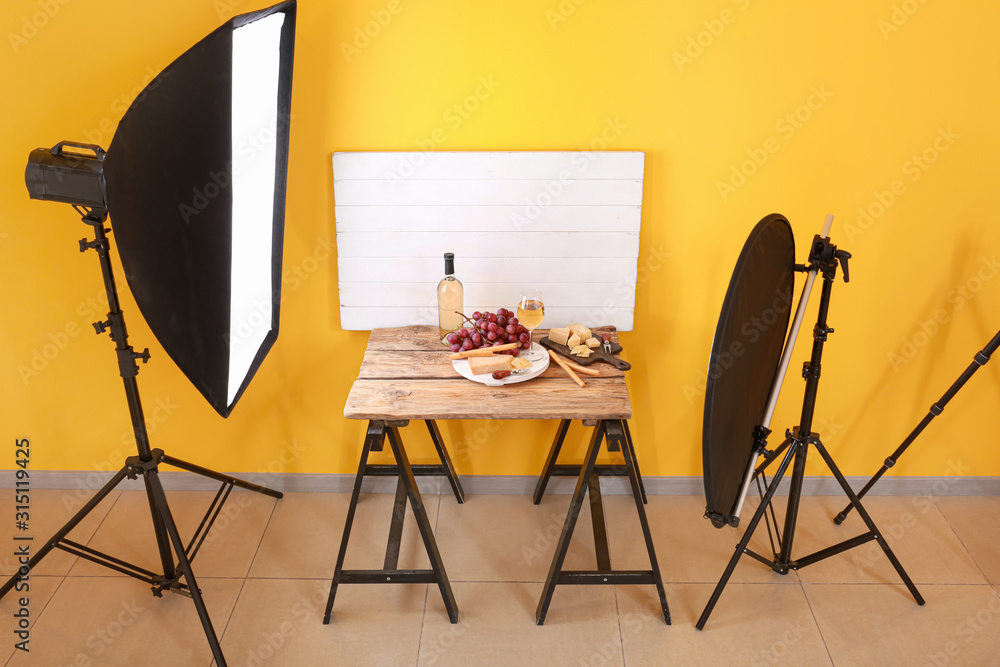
489	330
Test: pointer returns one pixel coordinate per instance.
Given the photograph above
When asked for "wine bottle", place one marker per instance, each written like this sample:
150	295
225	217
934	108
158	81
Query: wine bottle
449	294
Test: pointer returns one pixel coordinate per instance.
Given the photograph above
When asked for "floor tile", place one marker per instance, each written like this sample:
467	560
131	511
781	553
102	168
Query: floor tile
866	625
846	610
752	624
36	596
507	538
303	537
280	622
974	519
688	548
116	621
497	627
918	534
127	532
50	510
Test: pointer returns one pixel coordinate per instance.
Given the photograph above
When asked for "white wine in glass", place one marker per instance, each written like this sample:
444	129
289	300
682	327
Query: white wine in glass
530	312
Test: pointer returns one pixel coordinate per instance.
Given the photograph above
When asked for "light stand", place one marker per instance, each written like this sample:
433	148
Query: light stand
823	257
146	464
979	360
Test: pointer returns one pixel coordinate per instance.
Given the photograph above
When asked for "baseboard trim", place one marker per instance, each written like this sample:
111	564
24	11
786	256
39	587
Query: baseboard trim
506	484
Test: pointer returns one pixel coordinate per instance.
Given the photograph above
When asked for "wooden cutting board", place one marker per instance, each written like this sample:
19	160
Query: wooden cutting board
599	354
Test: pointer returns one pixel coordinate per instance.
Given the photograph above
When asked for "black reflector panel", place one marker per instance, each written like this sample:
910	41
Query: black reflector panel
745	357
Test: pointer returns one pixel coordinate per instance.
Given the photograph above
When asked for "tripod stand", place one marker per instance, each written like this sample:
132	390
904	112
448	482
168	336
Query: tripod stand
825	258
145	464
979	360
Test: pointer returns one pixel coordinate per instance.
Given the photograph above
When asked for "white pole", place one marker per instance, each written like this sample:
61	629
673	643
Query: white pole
779	378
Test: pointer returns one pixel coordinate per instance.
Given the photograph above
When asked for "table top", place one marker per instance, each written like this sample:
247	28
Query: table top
407	374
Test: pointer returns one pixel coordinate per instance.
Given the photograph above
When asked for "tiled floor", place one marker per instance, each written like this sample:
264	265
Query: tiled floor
265	572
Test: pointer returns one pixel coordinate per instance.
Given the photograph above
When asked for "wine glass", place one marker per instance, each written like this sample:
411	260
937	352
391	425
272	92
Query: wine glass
530	311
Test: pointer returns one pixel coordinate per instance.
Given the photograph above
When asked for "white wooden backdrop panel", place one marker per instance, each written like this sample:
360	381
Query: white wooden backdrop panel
565	222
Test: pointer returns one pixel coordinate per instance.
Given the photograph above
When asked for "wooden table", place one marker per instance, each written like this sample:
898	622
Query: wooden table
407	375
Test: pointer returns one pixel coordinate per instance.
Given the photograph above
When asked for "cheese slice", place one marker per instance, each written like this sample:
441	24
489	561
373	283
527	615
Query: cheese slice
593	342
580	351
520	363
573	341
583	331
559	336
498	362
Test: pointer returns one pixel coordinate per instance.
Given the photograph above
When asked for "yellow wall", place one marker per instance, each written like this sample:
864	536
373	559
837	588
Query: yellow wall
700	87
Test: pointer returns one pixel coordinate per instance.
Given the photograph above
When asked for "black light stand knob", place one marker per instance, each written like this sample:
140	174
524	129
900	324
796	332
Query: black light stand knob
843	256
101	327
86	245
144	355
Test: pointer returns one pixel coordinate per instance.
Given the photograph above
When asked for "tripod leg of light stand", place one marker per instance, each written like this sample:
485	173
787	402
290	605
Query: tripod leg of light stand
751	527
161	533
863	513
979	360
65	530
159	500
219	477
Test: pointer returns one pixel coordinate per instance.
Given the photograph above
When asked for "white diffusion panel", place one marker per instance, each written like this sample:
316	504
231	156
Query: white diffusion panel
255	112
566	223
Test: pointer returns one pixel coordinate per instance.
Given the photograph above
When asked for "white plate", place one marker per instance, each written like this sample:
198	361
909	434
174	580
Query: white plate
537	368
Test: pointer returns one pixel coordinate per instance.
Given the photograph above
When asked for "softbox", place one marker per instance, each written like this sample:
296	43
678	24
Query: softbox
195	182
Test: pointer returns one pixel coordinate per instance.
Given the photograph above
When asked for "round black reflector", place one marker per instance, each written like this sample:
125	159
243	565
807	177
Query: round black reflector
745	356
